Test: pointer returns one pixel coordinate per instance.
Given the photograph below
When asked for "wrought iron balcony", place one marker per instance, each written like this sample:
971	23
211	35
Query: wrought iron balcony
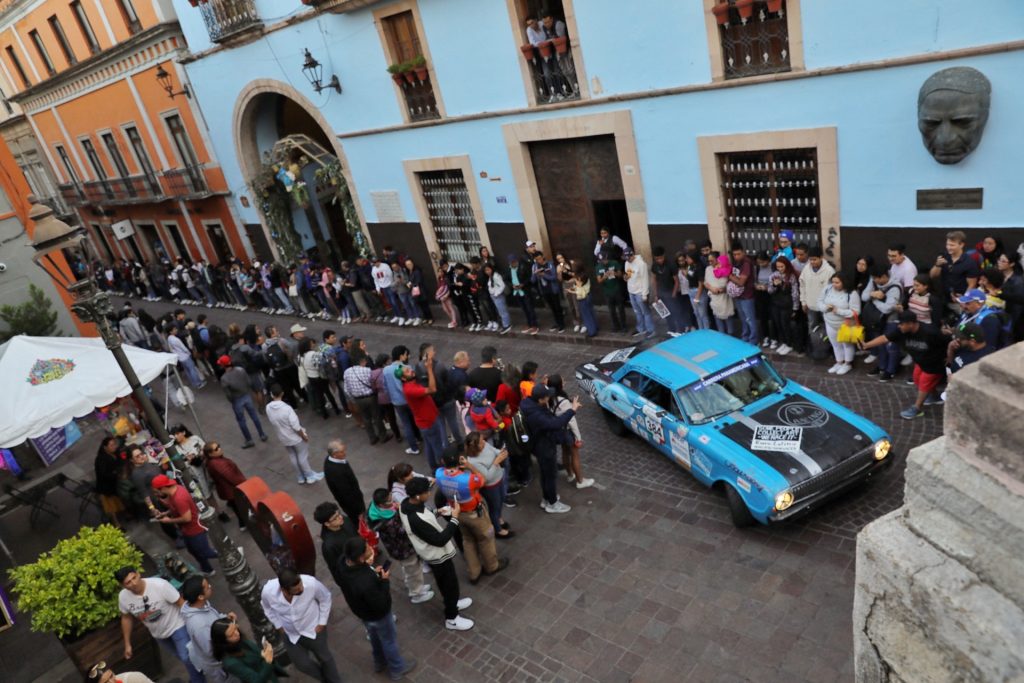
229	18
186	183
56	202
338	6
72	194
553	71
419	94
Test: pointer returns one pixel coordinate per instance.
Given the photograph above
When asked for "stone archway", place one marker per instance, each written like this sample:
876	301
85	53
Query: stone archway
249	107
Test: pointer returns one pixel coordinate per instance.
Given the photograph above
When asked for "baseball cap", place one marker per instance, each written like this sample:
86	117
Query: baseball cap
971	332
530	243
417	485
162	480
907	317
972	295
224	361
512	258
296	328
788	234
540	391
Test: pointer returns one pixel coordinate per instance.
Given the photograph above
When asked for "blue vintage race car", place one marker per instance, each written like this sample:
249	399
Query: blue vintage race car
717	407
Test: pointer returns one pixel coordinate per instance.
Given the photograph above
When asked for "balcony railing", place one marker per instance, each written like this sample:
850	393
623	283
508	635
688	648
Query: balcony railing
419	94
189	182
338	6
60	207
227	18
553	71
71	194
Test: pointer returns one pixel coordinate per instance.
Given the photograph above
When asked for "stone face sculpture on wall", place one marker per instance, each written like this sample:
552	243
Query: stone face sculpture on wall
952	110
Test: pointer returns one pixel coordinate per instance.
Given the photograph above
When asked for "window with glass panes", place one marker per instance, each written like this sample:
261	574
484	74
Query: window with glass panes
451	214
404	45
768	191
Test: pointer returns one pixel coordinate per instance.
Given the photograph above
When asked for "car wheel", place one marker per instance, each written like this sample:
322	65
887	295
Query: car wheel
615	425
741	516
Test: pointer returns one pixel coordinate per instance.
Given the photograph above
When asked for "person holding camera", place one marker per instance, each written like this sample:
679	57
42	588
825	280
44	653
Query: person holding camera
547	432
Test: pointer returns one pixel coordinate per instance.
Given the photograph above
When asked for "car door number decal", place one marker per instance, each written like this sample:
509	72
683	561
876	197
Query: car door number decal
653	427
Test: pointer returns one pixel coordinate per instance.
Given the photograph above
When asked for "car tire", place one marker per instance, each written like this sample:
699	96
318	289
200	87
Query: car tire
738	509
615	425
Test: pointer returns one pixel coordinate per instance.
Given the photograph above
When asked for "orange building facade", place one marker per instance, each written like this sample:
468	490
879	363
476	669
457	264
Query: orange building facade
99	88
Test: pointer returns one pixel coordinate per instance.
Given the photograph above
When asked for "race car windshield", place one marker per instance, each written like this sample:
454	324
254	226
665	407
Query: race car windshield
730	389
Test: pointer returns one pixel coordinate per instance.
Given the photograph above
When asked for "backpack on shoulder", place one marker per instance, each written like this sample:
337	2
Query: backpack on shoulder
276	357
327	364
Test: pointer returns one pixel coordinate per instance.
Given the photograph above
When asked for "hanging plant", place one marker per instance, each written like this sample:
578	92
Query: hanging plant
331	183
273	200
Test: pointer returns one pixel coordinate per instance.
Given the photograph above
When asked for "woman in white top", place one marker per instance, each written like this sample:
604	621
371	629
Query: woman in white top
572	445
496	289
716	278
839	303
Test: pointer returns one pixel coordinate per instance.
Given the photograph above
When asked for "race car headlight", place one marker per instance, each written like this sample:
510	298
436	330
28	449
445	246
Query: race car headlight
882	449
783	500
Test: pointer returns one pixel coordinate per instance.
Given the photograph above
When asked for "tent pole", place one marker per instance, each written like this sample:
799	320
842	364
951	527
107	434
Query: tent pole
191	407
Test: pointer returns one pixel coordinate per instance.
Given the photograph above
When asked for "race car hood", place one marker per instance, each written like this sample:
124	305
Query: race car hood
796	438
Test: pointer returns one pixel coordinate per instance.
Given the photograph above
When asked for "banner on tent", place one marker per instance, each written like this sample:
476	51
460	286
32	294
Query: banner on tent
52	445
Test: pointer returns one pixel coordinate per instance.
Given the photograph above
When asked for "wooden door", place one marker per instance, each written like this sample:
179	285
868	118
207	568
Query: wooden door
574	177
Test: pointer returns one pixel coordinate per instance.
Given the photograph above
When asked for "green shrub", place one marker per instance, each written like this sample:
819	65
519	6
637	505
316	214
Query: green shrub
71	589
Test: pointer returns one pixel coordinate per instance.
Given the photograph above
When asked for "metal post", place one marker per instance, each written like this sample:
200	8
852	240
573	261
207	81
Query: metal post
93	306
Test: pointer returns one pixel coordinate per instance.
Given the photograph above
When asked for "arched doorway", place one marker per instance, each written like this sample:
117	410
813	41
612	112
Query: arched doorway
297	174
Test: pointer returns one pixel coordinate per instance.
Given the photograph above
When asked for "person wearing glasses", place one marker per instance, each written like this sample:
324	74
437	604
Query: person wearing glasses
225	475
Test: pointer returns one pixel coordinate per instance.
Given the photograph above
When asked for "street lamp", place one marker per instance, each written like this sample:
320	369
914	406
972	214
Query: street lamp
164	79
92	305
314	74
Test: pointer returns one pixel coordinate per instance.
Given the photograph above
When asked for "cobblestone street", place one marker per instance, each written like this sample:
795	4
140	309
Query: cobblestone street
645	580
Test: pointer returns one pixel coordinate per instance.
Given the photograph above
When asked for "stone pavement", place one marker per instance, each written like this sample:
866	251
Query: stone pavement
645	580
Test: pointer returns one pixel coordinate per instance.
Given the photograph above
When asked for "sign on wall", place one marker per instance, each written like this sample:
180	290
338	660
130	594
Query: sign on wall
388	207
123	229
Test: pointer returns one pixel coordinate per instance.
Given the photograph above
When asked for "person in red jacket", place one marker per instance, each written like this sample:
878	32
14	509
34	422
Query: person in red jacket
485	420
225	476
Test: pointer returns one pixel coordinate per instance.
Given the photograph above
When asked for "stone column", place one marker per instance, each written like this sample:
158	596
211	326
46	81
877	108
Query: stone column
940	581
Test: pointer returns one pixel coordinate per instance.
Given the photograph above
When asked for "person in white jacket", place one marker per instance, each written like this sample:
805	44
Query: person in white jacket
292	436
384	280
496	289
839	303
814	277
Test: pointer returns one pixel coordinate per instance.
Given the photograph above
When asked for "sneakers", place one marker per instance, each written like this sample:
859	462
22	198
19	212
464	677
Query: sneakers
766	342
412	451
502	563
570	477
410	664
870	358
557	508
576	328
774	345
459	623
911	412
585	483
934	400
783	349
509	503
583	329
844	368
423	596
875	371
464	603
317	476
834	369
534	330
452	326
884	377
248	444
506	330
907	360
636	334
909	381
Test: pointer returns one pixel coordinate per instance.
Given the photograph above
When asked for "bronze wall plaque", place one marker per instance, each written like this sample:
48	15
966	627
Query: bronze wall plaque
950	198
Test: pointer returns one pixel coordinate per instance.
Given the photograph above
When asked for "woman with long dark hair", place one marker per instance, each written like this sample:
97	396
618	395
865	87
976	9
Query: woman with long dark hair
571	448
784	295
839	303
418	290
109	467
242	657
584	302
490	462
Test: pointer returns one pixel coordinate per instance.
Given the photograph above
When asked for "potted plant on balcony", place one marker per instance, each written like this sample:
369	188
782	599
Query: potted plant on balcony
396	74
721	11
774	5
528	52
745	8
545	49
71	592
419	67
561	44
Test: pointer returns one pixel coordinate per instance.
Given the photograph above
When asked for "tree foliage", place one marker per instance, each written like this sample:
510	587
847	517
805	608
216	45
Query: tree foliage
71	589
34	317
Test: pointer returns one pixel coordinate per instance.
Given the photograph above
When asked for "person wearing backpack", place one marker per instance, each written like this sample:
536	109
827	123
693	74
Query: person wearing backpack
318	387
993	321
879	301
281	360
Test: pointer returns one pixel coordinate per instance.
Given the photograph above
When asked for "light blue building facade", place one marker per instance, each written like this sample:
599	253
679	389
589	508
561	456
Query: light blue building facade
664	120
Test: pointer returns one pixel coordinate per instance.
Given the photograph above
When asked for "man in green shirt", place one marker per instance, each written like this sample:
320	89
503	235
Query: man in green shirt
609	274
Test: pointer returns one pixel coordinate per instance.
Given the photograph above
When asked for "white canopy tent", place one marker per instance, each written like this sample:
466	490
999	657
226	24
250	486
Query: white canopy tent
49	381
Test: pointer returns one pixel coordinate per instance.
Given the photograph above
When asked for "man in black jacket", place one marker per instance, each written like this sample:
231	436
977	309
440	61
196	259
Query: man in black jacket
342	481
367	590
334	531
547	431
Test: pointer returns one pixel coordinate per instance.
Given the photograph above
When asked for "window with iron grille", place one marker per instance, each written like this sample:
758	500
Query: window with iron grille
755	39
765	192
451	214
405	46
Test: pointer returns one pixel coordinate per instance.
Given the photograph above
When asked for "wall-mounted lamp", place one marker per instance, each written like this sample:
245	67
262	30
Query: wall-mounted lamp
164	79
314	73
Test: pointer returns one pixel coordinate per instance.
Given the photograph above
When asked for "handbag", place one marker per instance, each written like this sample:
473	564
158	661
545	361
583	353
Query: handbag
850	333
416	291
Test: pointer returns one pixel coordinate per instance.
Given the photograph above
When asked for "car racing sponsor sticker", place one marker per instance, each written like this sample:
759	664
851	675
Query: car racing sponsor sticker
653	426
778	438
701	462
704	439
802	414
743	484
719	376
680	449
619	355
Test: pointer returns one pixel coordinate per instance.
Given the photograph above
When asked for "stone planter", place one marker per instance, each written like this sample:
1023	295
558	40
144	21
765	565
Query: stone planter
105	644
